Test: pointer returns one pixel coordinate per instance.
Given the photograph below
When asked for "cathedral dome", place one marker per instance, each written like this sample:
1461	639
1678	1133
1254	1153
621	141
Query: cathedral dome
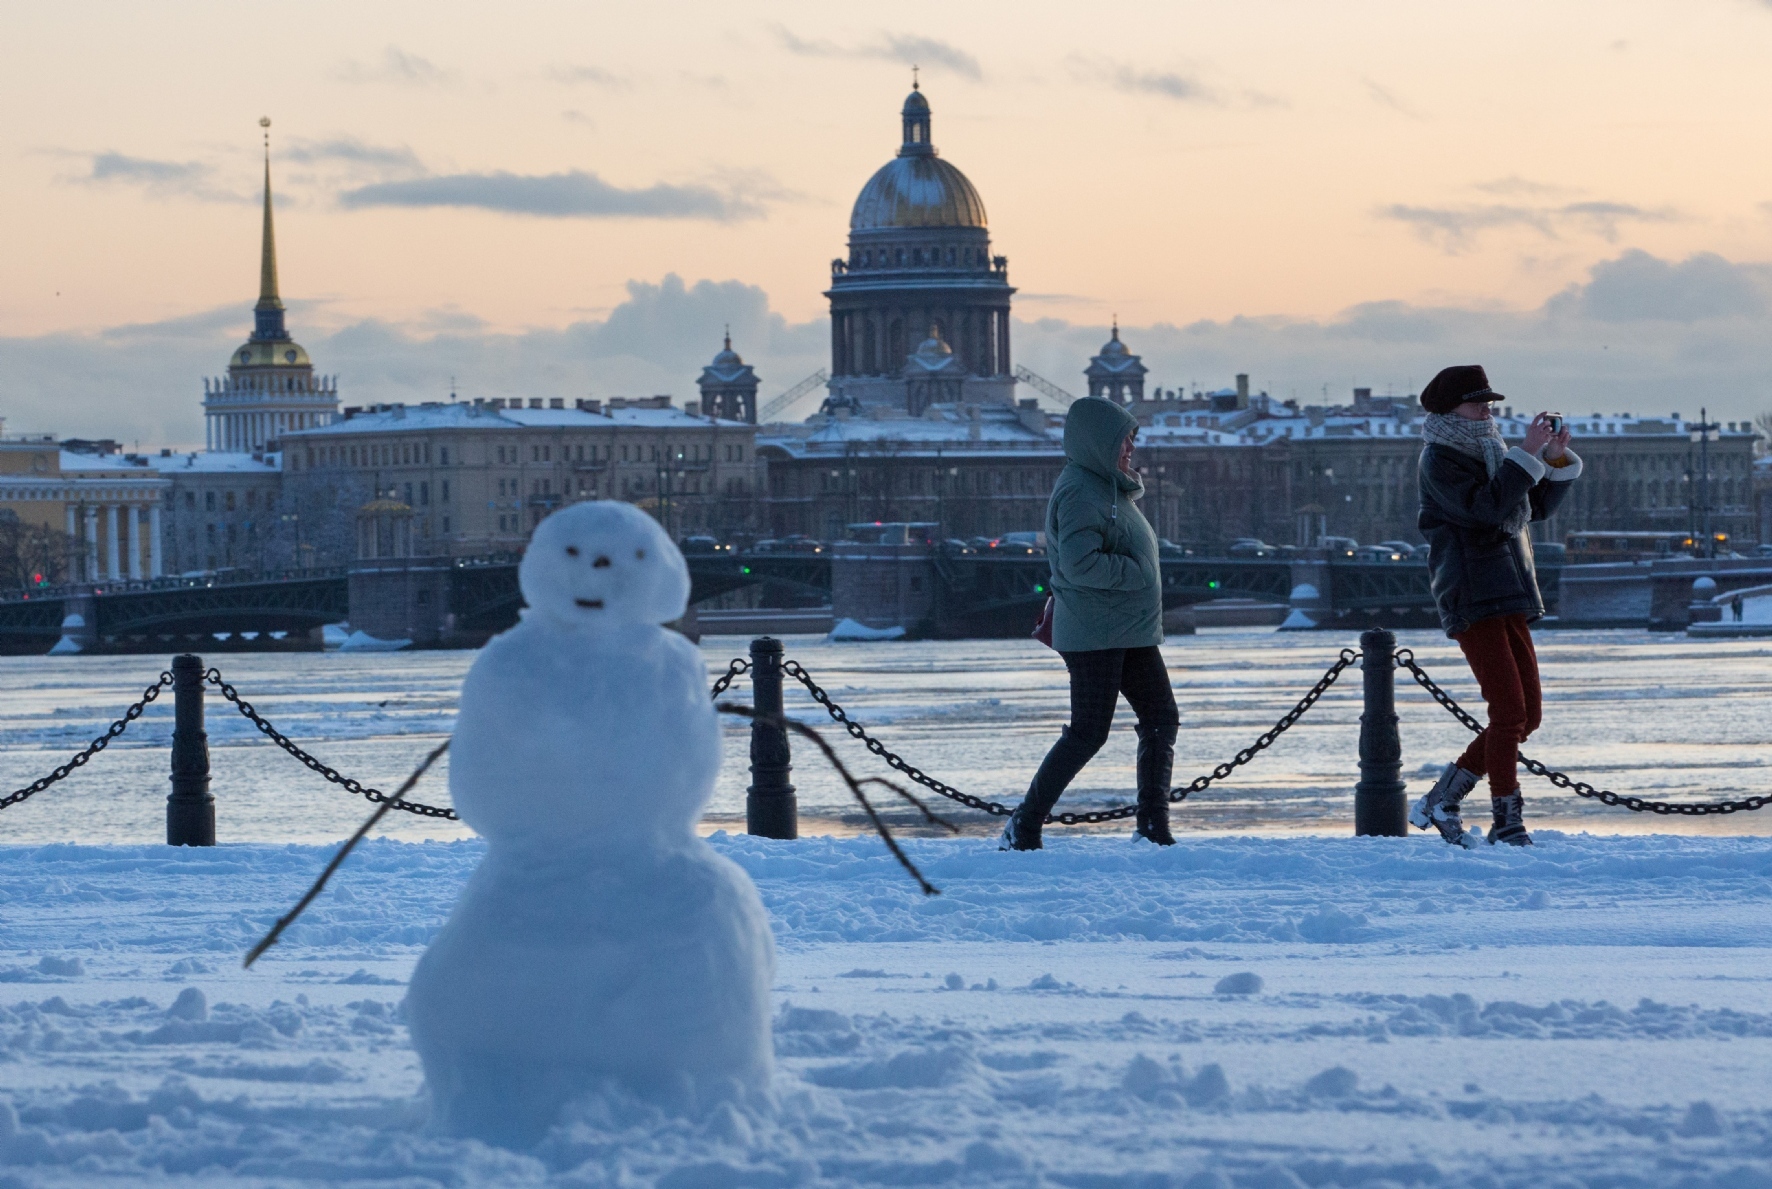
917	192
917	188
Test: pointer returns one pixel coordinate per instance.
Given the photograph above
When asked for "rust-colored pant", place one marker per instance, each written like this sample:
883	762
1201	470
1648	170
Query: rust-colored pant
1500	653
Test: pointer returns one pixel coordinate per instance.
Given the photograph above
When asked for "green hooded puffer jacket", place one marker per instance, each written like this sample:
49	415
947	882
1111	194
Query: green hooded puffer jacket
1106	586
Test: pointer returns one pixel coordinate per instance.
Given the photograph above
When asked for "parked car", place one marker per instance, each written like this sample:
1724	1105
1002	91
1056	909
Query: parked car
1250	547
1762	551
1403	547
700	544
1381	553
1340	546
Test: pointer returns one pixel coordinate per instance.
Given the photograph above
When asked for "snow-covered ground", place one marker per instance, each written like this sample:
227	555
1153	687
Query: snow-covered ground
1262	1012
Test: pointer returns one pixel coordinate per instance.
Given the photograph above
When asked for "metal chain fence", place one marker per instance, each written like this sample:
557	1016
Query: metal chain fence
996	809
375	796
1406	660
97	745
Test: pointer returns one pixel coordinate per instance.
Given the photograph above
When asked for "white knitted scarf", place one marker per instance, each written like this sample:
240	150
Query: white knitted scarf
1479	439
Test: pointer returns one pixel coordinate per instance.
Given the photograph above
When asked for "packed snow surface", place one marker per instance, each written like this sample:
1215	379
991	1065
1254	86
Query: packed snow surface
1252	1012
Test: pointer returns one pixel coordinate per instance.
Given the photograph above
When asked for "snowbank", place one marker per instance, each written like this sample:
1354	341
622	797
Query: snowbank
1228	1012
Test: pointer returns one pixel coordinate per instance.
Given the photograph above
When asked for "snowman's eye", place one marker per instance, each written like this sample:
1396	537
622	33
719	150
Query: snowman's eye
572	551
602	563
640	553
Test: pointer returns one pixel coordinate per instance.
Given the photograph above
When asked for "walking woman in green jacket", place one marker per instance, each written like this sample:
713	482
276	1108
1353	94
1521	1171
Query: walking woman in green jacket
1107	621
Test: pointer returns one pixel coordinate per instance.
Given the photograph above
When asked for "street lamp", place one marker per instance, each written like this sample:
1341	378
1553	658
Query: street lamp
1705	426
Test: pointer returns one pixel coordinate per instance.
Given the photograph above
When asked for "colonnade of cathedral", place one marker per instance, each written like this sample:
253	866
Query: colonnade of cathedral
875	342
117	529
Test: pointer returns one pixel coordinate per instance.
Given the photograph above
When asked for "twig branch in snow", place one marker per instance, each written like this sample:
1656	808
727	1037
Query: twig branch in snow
283	922
800	728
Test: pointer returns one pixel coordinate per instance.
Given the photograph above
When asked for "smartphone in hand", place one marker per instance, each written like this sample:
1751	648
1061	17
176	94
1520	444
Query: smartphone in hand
1556	423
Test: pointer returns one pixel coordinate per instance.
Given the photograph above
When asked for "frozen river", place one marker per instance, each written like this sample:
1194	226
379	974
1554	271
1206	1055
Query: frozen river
1658	716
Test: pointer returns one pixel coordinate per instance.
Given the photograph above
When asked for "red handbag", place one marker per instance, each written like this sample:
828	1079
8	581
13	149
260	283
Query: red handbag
1043	629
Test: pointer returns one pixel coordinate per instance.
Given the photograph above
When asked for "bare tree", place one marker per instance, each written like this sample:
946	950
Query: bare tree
31	554
1763	423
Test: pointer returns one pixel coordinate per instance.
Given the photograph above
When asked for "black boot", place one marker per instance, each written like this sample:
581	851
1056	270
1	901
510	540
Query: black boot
1510	824
1156	761
1021	831
1056	772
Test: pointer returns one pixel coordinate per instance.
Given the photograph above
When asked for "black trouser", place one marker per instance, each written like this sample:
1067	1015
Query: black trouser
1098	678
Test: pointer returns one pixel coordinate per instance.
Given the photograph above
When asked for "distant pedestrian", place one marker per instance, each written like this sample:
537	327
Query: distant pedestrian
1477	495
1735	608
1107	621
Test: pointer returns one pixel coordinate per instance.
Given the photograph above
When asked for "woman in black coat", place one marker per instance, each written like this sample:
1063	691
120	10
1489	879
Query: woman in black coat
1477	496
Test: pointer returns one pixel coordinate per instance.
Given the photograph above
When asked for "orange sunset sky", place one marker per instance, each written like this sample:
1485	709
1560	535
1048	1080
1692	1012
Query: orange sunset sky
571	199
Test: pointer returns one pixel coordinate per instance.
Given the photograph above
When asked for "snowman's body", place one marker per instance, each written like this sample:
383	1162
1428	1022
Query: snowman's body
600	941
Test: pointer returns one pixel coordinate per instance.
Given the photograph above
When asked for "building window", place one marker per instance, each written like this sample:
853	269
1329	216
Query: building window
191	500
443	455
445	495
424	495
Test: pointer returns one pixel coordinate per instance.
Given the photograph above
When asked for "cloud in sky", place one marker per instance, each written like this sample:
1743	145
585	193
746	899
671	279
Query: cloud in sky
1641	334
348	150
910	49
1455	228
574	194
400	68
158	179
1139	80
587	76
1385	97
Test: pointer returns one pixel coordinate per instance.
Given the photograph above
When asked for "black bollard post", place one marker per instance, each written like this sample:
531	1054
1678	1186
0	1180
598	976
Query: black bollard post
190	810
770	809
1380	805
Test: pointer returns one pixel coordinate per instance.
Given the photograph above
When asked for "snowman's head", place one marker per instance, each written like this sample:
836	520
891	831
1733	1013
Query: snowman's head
600	564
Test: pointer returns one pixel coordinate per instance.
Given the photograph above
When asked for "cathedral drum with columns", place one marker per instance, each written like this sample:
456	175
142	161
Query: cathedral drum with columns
919	268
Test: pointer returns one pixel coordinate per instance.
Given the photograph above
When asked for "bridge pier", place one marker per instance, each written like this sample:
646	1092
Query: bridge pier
1310	599
885	586
403	599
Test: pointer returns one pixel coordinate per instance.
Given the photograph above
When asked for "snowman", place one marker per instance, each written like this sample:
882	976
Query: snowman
600	943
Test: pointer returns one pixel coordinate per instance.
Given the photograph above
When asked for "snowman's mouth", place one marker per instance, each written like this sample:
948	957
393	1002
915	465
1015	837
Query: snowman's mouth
592	604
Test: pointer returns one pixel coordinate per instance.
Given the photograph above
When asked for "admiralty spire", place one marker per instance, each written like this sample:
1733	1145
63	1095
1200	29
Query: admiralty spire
270	387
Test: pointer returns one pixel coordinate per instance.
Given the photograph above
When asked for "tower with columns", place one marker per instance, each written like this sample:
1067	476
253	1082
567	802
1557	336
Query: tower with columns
729	387
1116	373
919	257
270	387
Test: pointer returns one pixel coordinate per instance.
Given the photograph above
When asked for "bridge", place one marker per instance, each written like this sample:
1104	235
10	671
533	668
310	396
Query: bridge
461	602
469	600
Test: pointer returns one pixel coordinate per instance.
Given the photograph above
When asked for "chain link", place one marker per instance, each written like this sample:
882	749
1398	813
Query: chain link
93	748
738	666
996	809
1406	660
375	796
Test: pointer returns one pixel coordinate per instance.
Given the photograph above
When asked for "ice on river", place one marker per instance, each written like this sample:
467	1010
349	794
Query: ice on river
1253	1012
1655	715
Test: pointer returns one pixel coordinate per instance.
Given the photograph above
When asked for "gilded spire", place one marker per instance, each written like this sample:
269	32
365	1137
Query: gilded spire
268	313
267	266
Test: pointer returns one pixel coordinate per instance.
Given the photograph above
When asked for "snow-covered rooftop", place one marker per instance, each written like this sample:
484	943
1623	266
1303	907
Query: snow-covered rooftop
996	428
439	415
215	463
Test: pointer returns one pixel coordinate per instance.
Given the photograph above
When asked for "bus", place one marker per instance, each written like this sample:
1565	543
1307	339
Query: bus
1586	548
